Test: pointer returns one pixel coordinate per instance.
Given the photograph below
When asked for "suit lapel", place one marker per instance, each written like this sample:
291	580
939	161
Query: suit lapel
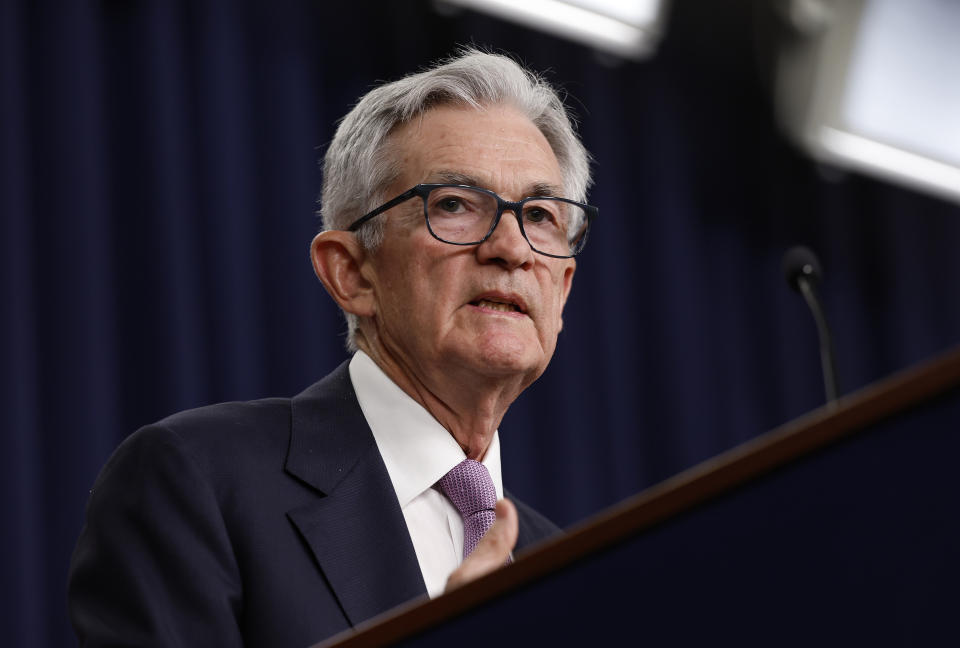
534	528
355	529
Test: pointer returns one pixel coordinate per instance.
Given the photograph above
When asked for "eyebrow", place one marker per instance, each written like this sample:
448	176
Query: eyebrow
537	189
544	189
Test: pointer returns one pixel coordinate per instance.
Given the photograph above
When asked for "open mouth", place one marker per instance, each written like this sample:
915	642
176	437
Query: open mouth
497	305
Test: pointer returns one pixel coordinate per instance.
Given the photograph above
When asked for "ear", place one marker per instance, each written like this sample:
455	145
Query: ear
337	259
567	285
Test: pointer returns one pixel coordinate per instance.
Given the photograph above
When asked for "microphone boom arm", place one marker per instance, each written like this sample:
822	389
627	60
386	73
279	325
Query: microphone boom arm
809	292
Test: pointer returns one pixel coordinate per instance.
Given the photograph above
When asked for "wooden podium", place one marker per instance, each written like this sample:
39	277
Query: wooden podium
839	528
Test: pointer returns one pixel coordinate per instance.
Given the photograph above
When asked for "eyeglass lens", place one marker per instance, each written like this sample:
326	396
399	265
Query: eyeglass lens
462	215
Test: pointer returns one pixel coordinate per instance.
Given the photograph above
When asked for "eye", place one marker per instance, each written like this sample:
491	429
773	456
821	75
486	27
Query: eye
539	215
450	204
536	215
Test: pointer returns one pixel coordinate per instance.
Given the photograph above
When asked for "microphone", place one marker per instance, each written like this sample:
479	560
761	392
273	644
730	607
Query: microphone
802	270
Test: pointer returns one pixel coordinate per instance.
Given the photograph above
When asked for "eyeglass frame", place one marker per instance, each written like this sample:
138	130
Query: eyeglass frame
423	190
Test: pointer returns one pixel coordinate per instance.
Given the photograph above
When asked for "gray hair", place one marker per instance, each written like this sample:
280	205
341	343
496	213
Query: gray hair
358	166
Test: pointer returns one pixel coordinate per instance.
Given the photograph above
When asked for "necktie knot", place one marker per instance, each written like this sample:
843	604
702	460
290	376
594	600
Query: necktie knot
469	486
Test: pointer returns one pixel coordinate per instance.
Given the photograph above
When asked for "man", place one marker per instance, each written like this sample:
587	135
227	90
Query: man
451	218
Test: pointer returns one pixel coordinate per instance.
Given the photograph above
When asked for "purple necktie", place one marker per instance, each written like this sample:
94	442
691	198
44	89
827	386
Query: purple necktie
469	487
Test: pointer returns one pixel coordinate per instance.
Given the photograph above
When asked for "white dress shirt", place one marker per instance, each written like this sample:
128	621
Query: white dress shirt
418	451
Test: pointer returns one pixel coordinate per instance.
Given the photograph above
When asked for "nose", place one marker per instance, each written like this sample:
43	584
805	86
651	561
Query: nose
506	245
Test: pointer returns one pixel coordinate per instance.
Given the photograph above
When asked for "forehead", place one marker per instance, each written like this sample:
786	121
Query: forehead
497	145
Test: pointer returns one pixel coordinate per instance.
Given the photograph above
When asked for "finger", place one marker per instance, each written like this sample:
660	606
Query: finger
493	550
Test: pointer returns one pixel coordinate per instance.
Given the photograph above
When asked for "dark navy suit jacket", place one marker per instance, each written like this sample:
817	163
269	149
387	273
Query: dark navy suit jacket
267	523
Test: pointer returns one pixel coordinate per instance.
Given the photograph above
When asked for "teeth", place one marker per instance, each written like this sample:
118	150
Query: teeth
497	306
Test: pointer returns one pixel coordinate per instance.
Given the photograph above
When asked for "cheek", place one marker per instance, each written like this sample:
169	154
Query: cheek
398	301
422	295
557	296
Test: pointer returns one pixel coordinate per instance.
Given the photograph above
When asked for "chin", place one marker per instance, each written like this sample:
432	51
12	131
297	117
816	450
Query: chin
502	355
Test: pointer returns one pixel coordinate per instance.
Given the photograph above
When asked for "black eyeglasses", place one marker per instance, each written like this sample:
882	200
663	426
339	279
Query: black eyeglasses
463	215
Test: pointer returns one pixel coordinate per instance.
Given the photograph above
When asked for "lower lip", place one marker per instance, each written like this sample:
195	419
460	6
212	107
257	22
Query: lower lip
494	311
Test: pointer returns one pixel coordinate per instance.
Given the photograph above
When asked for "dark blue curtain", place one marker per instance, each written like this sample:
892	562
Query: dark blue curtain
158	177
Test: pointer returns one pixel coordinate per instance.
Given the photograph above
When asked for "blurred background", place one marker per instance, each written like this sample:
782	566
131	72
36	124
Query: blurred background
158	185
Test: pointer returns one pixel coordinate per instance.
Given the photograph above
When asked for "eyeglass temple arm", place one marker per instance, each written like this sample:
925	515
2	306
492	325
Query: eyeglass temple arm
406	195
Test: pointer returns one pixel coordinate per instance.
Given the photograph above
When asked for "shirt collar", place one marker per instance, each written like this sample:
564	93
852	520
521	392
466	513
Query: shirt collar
416	449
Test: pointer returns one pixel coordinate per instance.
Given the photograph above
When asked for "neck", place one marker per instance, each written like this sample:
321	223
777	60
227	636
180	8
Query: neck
468	406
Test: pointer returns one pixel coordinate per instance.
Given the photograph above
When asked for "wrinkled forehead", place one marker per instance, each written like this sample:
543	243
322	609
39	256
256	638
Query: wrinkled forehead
496	147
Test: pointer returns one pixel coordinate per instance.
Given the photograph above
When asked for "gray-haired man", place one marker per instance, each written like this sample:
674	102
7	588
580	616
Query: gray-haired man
452	208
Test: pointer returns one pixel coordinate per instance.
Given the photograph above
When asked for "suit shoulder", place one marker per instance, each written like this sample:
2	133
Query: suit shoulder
232	437
229	418
218	435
